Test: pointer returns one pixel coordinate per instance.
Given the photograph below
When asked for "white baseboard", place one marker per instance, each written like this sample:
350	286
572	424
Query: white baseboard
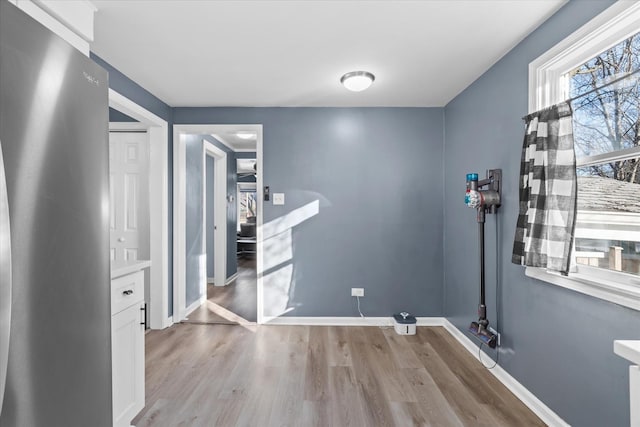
194	305
430	321
234	276
167	322
348	321
328	321
231	278
545	413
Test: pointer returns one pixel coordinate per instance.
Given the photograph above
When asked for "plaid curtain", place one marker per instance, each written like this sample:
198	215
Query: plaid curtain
546	222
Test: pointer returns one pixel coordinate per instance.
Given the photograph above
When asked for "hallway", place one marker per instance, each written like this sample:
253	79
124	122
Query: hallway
233	304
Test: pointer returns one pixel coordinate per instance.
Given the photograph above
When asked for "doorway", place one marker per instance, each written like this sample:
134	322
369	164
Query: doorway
158	205
214	224
129	192
229	194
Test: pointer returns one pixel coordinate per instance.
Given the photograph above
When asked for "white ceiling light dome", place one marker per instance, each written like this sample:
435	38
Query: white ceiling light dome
246	135
357	81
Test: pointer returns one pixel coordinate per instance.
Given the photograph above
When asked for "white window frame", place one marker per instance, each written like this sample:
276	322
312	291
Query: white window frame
548	86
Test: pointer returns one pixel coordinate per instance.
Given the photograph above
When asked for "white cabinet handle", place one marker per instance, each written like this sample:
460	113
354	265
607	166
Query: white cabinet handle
121	239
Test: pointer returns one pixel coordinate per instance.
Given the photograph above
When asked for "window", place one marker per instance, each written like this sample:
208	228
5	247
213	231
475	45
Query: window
595	67
248	206
607	145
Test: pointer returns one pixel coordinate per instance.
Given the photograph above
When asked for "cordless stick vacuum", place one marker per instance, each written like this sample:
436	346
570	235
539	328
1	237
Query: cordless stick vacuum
483	195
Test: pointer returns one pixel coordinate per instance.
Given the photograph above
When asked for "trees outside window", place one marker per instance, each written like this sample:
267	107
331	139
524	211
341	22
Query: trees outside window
607	145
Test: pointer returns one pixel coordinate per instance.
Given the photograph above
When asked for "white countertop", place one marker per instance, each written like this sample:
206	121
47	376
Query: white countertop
122	268
629	349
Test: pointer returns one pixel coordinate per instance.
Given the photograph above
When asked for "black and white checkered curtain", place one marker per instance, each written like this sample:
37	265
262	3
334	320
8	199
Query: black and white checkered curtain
544	232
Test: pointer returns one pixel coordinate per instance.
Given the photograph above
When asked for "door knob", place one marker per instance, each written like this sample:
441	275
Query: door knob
121	239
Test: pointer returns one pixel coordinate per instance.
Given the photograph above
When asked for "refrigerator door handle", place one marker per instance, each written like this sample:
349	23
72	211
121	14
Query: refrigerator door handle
5	279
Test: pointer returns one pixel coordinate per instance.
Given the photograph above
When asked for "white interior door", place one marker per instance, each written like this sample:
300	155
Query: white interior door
128	170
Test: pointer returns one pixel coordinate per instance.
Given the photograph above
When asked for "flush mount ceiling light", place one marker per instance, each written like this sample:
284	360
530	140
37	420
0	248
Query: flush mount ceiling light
246	135
357	81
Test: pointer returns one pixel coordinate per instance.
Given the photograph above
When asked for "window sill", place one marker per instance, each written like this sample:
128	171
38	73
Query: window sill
608	289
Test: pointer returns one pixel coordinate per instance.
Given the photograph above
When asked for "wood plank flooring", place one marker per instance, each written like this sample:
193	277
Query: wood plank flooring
235	303
223	375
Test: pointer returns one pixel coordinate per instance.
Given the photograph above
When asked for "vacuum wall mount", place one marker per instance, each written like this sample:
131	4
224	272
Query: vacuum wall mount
484	196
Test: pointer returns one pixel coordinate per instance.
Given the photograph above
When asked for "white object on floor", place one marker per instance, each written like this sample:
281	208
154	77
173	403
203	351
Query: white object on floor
404	323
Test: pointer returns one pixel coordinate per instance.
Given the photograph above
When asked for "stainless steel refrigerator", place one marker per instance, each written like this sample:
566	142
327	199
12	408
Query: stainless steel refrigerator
55	345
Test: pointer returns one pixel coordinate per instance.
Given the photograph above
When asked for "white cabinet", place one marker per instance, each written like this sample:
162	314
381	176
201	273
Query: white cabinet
127	346
630	350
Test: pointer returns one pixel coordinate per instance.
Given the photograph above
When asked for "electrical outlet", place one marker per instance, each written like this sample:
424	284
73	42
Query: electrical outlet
357	292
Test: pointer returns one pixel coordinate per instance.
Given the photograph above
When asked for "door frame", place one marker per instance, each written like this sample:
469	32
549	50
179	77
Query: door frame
158	130
179	199
219	215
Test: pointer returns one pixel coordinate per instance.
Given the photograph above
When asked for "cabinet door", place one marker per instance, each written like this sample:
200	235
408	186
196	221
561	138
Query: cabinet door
128	365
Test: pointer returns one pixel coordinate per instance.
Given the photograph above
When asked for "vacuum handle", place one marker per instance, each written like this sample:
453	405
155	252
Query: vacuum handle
481	244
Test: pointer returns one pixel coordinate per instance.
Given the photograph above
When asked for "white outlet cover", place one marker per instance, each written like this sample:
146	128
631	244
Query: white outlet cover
357	292
278	198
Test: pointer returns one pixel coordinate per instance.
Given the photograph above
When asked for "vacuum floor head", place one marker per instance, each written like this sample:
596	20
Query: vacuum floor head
483	335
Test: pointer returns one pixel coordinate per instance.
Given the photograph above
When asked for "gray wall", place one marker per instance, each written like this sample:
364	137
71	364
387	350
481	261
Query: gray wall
210	176
557	343
193	217
117	116
232	214
376	174
194	234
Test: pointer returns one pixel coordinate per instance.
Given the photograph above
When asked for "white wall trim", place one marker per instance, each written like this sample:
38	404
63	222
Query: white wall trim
159	206
127	127
194	306
179	213
67	30
220	211
605	30
348	321
328	321
546	414
77	15
231	278
259	224
624	294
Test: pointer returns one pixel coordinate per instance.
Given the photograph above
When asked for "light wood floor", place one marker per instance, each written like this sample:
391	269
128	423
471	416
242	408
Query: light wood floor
235	303
222	375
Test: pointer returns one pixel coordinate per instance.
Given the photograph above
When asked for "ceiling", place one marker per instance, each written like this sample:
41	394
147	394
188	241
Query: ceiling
229	135
293	53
